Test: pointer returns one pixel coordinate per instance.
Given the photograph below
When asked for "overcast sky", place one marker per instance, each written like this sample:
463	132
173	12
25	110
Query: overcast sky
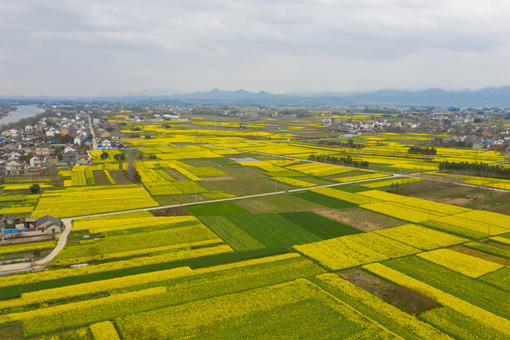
86	47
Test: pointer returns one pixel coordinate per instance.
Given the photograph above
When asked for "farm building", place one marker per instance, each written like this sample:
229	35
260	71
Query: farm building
24	227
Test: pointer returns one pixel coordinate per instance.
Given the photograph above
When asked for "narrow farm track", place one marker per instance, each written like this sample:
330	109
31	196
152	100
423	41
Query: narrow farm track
7	269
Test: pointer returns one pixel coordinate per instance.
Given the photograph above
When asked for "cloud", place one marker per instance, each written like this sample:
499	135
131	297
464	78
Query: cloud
100	47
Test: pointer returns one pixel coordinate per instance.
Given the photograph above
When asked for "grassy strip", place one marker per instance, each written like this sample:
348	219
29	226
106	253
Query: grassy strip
458	325
489	249
499	278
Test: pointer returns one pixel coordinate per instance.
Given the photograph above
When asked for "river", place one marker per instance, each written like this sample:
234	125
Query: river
23	111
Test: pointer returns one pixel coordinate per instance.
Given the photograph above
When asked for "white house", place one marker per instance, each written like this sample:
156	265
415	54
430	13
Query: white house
15	156
15	167
37	161
69	148
106	144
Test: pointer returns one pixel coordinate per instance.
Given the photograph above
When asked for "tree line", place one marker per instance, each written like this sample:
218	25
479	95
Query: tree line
476	169
349	144
344	160
422	151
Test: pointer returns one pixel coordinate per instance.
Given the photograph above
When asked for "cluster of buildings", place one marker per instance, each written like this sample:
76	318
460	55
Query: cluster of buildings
32	160
60	140
11	227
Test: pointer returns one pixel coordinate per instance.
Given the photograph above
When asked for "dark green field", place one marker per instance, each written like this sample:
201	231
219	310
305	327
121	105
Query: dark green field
273	231
326	201
217	209
230	233
320	226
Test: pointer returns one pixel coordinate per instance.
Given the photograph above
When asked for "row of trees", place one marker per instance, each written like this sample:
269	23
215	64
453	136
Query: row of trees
422	151
120	156
344	160
349	144
476	169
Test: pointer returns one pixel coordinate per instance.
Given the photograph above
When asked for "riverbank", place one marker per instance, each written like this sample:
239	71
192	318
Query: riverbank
21	112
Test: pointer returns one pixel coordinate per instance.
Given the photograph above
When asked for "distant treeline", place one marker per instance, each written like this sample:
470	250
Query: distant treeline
476	169
347	160
349	144
422	151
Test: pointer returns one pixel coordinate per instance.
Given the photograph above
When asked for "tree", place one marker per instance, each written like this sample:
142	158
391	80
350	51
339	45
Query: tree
26	157
132	174
120	157
35	188
104	155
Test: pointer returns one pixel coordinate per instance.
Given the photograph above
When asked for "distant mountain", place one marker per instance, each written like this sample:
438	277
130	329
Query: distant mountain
487	97
493	96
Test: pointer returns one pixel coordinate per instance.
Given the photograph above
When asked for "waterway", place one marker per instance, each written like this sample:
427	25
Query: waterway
23	111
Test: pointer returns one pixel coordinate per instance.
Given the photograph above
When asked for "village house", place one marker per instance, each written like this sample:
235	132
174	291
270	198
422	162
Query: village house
15	167
38	161
106	144
25	227
43	150
69	155
69	148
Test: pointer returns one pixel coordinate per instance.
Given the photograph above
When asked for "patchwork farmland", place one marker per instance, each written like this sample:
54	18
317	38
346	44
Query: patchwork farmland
225	236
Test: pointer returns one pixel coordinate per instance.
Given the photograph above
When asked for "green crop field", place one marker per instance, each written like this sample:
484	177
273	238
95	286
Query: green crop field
499	278
339	262
237	238
319	225
273	231
326	201
217	209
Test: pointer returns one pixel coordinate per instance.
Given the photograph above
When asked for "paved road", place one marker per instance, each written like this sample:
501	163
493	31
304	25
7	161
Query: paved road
94	141
68	221
62	240
6	269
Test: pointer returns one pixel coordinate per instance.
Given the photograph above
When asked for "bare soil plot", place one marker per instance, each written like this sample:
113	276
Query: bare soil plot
401	297
100	178
118	177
